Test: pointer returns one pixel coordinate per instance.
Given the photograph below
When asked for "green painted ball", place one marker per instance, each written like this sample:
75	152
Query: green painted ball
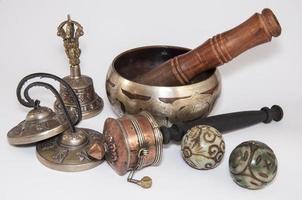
253	165
203	147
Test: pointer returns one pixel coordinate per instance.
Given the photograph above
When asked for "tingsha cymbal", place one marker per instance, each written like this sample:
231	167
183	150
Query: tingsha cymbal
91	103
68	151
41	123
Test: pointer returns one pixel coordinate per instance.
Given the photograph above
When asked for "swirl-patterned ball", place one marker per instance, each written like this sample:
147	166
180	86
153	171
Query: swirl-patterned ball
203	147
253	165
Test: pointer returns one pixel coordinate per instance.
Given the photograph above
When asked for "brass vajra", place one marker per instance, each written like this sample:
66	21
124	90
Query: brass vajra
70	36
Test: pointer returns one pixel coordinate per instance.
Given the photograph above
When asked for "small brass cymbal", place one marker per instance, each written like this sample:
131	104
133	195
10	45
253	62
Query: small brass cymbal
41	123
69	151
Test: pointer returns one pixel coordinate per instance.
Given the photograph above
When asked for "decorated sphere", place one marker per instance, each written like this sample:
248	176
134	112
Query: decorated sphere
202	147
253	165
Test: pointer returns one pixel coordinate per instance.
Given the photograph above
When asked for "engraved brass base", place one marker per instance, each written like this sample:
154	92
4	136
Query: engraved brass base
68	151
88	110
91	103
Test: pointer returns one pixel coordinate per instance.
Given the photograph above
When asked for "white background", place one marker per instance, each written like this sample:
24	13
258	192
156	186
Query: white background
266	75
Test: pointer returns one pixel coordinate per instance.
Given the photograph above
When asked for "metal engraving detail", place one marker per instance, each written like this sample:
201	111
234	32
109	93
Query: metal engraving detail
111	149
60	155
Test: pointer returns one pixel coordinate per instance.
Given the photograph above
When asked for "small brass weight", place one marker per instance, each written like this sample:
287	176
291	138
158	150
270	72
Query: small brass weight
91	103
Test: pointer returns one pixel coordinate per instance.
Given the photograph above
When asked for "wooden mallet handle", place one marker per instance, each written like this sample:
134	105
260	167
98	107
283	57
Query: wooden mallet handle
220	49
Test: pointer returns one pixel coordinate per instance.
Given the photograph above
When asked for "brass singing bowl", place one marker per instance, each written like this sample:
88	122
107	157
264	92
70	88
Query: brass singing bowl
166	104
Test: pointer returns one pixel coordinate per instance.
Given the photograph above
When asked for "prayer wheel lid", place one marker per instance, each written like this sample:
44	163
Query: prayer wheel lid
116	145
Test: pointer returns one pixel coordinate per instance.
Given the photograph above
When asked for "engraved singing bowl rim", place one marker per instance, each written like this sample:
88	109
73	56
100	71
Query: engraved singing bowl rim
166	104
166	91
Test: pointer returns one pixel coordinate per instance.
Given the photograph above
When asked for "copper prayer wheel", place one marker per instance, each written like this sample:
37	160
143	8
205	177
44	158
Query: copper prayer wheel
132	142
